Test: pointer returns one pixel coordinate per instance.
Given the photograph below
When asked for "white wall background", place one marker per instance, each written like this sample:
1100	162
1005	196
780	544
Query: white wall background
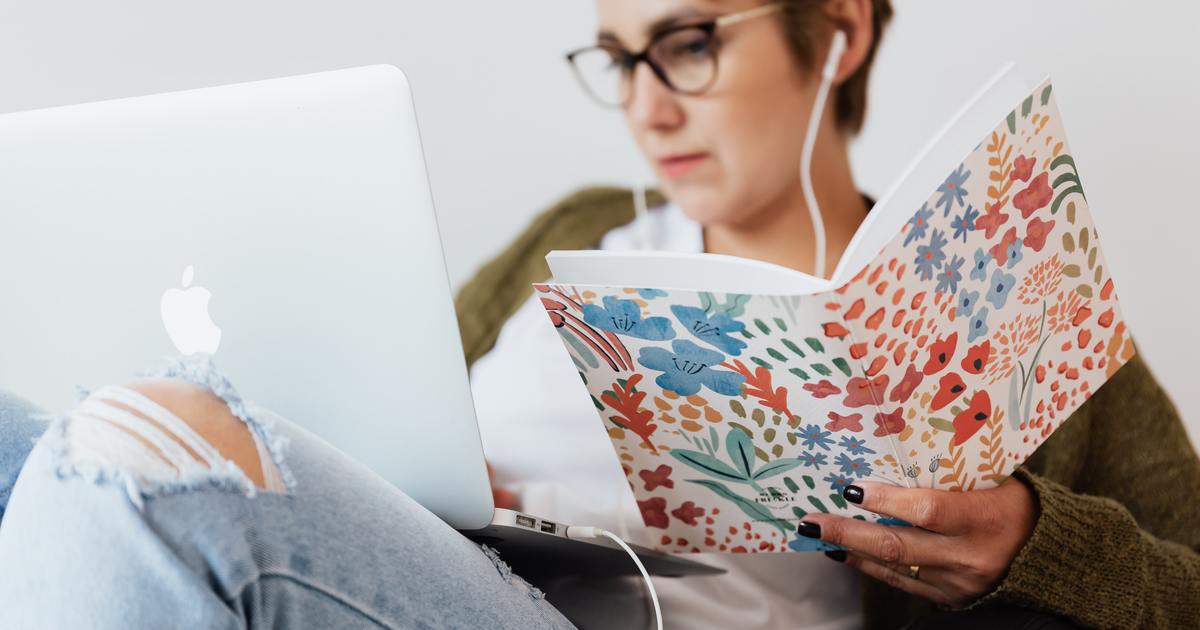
507	131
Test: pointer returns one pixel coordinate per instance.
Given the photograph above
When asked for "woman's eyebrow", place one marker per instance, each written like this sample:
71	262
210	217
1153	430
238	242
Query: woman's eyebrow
660	24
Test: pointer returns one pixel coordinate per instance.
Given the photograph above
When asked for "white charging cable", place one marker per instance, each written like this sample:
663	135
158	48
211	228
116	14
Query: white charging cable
836	50
576	531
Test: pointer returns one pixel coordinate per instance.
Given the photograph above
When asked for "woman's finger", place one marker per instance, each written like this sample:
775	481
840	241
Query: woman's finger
891	544
935	510
897	578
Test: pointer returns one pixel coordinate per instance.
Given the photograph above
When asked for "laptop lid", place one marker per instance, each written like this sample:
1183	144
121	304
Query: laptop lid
301	206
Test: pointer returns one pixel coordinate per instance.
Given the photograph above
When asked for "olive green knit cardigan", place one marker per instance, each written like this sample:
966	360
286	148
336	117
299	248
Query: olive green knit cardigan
1117	541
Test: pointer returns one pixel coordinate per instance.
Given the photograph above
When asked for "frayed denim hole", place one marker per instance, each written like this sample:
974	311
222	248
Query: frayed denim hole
506	573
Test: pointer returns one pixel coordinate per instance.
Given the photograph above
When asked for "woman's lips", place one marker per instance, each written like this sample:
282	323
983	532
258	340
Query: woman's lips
675	166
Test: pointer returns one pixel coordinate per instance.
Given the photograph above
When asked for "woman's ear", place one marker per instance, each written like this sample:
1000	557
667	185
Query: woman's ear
854	18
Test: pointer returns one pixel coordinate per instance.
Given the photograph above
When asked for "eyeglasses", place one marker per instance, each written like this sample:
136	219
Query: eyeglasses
683	57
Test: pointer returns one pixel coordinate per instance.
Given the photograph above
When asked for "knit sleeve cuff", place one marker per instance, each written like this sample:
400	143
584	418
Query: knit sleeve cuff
1075	560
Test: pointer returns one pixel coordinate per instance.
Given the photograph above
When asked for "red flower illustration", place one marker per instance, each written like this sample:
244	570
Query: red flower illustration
822	388
991	220
888	423
949	388
834	329
1035	196
1036	233
861	392
1000	250
1022	168
911	381
660	476
940	353
977	358
852	422
688	512
654	512
973	417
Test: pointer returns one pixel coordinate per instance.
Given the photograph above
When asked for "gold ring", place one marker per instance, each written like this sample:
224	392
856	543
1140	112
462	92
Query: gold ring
914	572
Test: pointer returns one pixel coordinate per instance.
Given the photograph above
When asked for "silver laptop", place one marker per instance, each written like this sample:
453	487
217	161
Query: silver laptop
287	228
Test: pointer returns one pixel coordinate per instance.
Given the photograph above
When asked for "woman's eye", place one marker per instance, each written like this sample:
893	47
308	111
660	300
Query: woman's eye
693	48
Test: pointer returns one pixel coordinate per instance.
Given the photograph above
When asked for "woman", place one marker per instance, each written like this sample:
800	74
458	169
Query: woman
315	541
718	109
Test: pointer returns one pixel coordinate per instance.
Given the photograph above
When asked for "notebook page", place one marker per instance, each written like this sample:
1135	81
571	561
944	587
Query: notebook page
667	270
957	138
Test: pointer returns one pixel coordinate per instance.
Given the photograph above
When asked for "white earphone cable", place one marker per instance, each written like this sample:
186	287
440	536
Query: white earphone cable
836	49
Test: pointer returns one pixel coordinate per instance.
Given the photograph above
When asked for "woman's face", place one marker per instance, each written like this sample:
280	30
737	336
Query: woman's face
727	153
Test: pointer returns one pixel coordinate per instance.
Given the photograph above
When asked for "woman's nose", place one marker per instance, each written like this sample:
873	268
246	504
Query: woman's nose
651	104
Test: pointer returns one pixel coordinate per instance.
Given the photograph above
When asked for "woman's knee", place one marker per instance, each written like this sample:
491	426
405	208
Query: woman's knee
161	432
209	417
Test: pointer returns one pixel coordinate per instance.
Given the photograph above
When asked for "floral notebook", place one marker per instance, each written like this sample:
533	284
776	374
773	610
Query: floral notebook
944	362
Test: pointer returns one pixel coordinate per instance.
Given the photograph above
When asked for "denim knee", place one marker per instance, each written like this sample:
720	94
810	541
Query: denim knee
21	424
132	435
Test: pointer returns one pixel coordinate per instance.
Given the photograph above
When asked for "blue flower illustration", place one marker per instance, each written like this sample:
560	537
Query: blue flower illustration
948	277
712	329
966	303
688	368
650	294
952	190
1002	284
931	256
838	481
964	223
892	521
1014	253
812	460
812	436
856	466
978	326
855	445
979	270
918	224
625	317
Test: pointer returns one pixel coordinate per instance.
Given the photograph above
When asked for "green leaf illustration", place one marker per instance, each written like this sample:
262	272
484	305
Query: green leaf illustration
776	467
841	365
708	464
941	424
793	347
741	452
759	362
753	510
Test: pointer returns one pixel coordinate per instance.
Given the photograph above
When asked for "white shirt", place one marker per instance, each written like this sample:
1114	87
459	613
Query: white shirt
547	443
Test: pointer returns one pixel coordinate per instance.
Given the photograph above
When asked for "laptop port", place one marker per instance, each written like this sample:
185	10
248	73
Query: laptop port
548	527
525	521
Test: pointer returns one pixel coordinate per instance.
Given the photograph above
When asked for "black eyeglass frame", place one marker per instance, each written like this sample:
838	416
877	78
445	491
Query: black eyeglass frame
629	61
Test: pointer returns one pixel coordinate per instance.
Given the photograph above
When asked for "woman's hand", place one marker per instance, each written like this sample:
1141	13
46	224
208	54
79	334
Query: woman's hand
963	542
505	499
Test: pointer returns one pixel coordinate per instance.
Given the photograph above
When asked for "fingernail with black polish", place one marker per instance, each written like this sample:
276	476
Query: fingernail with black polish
838	555
809	530
853	494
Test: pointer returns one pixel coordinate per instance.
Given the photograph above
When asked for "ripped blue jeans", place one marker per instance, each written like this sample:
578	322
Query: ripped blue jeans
103	532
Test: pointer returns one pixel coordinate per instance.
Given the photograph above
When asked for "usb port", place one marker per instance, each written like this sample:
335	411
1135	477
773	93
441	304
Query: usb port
525	521
548	527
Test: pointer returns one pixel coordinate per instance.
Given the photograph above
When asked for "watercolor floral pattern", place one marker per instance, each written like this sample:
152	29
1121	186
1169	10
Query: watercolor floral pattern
943	363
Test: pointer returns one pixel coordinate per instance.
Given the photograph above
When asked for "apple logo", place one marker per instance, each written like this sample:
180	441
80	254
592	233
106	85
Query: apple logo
185	316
